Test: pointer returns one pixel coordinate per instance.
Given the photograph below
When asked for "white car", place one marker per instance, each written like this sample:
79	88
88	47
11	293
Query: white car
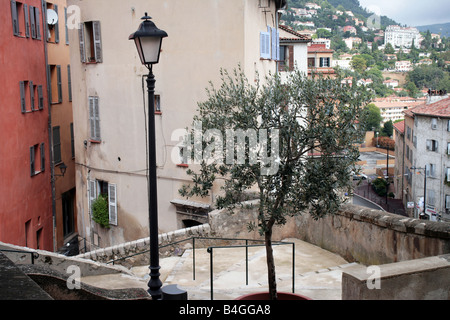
359	176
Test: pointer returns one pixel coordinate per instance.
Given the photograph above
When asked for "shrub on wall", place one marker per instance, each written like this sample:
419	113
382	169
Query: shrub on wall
100	212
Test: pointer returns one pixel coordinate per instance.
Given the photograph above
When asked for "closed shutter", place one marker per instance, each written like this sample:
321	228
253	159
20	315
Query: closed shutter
38	23
32	95
55	7
82	43
56	145
33	22
112	199
69	77
59	82
273	35
27	20
94	117
277	56
92	193
22	97
66	29
15	18
42	147
264	45
447	202
40	91
97	41
32	171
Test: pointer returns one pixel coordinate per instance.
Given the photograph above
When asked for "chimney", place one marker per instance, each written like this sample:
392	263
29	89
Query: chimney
436	95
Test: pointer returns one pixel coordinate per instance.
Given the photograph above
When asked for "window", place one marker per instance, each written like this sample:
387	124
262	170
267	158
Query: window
431	170
97	187
57	158
286	58
432	145
35	23
324	62
72	141
408	133
430	197
311	62
94	118
434	123
20	19
55	83
270	44
29	92
157	103
447	202
37	159
90	42
53	30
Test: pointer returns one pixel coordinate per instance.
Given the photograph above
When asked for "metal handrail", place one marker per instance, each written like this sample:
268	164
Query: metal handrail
34	255
211	268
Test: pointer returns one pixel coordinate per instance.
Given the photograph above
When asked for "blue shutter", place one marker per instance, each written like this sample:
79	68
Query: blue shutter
277	57
265	45
273	35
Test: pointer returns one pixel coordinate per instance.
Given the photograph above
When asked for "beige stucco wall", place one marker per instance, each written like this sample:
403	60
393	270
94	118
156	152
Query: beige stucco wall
203	36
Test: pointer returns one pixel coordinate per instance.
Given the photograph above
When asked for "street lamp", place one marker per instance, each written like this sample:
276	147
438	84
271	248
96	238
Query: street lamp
148	40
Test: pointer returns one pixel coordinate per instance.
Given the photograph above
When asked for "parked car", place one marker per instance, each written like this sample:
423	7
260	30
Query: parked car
359	176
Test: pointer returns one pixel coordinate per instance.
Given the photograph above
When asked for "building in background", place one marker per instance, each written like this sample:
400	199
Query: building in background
109	101
26	217
402	36
62	131
293	50
426	144
320	61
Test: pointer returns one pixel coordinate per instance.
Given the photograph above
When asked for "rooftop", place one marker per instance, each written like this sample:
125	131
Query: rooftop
439	108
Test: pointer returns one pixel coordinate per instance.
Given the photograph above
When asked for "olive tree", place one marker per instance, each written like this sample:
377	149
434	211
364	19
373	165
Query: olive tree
292	140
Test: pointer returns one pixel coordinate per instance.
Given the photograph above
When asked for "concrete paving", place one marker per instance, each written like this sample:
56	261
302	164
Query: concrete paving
318	272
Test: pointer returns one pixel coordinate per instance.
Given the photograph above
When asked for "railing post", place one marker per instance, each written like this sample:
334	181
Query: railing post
193	258
293	267
210	250
246	262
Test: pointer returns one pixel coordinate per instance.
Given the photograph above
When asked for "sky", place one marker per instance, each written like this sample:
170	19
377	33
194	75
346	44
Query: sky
411	12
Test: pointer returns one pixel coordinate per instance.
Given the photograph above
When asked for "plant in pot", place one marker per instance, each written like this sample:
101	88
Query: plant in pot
294	141
100	211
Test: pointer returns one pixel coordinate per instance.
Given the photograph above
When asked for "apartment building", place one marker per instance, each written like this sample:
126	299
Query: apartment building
293	50
62	131
424	170
320	60
109	101
25	190
402	36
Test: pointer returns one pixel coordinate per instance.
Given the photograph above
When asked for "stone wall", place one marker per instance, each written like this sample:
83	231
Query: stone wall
356	233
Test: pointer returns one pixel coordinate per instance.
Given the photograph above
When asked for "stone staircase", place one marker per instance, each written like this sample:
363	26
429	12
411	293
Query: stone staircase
318	272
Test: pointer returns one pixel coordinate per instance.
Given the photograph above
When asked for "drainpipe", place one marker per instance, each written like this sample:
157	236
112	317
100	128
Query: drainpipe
49	106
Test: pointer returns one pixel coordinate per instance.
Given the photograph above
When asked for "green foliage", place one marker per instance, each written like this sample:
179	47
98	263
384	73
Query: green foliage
371	117
100	211
388	129
311	117
379	185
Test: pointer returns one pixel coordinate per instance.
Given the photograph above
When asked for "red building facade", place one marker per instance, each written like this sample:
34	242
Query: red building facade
26	217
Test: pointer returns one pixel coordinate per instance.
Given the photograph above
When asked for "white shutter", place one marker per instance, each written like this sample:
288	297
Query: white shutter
92	193
112	199
82	43
94	118
97	41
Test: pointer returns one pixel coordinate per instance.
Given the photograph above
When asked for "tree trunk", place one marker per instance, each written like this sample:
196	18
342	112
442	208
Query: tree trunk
270	263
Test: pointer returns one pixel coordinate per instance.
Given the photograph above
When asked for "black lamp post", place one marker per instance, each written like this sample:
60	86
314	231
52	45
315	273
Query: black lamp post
148	39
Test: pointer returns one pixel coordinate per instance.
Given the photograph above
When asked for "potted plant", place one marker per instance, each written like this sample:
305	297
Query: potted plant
301	159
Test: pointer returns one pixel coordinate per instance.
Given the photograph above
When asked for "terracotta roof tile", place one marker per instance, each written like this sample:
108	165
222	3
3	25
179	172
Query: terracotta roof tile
439	108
